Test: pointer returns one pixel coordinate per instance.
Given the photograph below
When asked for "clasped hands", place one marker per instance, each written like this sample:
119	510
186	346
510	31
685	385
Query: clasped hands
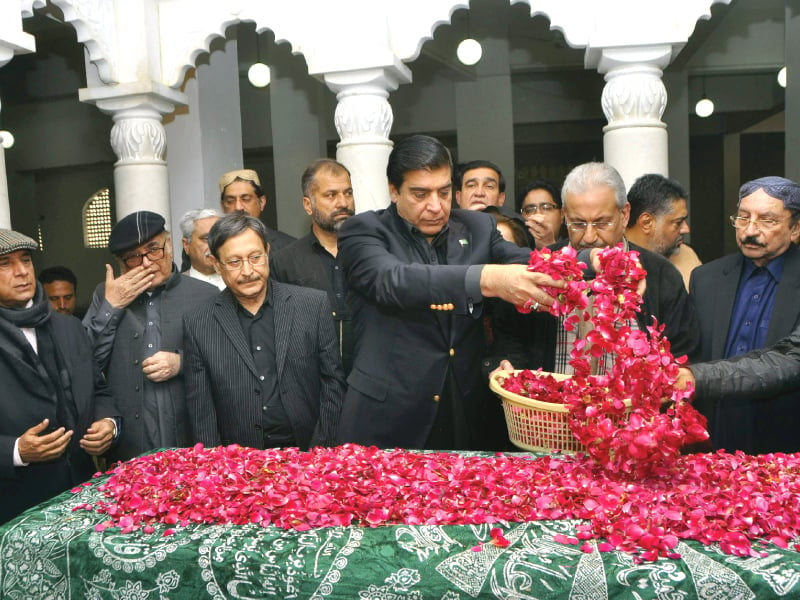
36	446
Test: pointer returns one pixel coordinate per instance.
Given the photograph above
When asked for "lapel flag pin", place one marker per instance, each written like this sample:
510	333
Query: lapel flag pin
463	242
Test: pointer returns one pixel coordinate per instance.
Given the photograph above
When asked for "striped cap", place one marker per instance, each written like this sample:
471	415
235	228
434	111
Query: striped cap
11	241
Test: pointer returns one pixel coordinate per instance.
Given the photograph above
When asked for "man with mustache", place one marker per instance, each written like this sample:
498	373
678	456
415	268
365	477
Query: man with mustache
57	410
262	364
748	300
596	212
312	261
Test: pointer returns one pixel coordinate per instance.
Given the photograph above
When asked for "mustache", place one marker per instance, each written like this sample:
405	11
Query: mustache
753	240
343	211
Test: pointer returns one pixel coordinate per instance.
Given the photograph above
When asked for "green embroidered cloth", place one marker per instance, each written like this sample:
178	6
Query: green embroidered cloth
53	552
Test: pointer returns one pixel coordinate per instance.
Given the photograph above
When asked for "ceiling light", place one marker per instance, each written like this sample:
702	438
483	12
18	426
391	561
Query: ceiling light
704	107
6	139
258	75
469	51
782	77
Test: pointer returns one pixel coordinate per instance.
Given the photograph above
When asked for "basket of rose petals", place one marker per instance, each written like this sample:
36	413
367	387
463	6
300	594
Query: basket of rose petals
536	417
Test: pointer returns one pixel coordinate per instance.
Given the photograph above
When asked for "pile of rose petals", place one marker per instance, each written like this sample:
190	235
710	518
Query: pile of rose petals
728	499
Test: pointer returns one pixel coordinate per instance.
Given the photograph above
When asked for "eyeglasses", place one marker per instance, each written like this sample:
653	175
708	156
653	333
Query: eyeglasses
153	254
583	225
532	209
235	264
762	224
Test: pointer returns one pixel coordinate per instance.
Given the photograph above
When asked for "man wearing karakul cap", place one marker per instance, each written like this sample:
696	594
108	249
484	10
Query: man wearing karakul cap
135	324
241	191
56	408
749	300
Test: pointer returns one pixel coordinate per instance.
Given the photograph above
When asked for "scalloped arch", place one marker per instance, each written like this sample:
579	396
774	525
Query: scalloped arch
573	19
184	40
28	6
409	30
93	20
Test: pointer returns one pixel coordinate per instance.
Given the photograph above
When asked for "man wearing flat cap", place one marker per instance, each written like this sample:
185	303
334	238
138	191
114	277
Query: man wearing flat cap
749	300
57	411
240	191
135	324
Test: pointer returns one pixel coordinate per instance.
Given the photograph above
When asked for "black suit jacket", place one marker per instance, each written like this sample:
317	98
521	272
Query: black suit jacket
404	347
299	264
26	400
222	383
768	425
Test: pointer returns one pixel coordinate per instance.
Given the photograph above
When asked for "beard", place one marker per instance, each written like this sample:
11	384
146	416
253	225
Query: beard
330	222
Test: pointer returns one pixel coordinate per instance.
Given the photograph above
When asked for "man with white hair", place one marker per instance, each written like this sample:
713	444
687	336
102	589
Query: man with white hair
596	212
195	225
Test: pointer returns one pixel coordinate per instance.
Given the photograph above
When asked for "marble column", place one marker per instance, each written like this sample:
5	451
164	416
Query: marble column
792	93
363	120
5	207
13	40
634	98
139	140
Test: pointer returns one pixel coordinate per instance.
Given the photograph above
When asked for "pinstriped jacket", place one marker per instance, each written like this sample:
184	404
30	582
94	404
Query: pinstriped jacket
222	381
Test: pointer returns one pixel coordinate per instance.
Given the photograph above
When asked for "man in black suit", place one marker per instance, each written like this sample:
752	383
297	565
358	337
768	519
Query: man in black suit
418	274
57	410
312	261
262	363
749	300
241	191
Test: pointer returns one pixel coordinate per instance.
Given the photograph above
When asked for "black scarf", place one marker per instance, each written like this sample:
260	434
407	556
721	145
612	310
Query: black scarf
48	362
32	317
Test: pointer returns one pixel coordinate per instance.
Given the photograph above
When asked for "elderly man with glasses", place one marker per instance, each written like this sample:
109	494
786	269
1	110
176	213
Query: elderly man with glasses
596	212
749	300
135	324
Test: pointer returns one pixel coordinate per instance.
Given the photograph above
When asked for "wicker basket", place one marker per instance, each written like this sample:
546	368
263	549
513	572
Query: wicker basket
535	425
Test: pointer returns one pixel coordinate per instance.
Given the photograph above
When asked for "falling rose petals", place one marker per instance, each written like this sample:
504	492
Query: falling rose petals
562	265
617	417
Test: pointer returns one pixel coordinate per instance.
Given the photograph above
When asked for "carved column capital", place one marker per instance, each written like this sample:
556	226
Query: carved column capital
363	117
363	114
363	120
138	136
634	96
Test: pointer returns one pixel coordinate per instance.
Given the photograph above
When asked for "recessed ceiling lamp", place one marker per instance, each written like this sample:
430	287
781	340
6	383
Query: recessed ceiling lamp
259	74
782	77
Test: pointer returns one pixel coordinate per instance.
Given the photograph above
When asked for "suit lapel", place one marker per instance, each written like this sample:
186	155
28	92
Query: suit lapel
787	308
724	300
225	314
459	242
284	317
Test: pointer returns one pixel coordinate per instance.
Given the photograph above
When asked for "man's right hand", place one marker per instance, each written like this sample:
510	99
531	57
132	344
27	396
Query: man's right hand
123	290
35	446
517	285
